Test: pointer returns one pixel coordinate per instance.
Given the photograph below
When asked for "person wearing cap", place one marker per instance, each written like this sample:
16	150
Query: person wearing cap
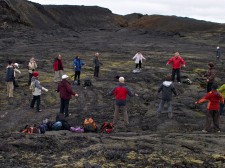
77	63
120	92
177	61
36	91
214	98
65	90
97	63
15	66
167	88
58	68
10	78
32	65
138	59
210	76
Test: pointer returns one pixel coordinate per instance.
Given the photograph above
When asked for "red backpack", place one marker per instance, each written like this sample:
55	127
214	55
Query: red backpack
107	127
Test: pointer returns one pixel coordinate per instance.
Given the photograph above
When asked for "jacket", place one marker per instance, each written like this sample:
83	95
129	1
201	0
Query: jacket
176	62
120	92
138	57
9	74
58	65
222	90
32	66
38	87
65	90
167	89
214	99
96	62
77	63
210	75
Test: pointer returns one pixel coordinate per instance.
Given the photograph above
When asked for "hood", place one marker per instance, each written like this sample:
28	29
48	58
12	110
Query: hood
167	83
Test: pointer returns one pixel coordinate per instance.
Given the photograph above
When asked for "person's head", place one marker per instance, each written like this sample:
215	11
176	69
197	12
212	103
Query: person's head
59	56
32	59
214	86
168	77
210	65
16	65
97	54
121	79
35	74
77	57
9	62
139	51
217	47
64	77
176	54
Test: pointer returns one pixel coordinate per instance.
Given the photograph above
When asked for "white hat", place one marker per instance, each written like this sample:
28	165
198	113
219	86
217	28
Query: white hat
17	65
65	76
121	79
218	47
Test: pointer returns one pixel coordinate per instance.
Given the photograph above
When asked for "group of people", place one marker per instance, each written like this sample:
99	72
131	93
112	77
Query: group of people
214	96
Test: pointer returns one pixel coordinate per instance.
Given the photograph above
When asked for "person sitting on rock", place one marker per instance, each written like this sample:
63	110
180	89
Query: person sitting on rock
214	98
77	63
138	59
167	88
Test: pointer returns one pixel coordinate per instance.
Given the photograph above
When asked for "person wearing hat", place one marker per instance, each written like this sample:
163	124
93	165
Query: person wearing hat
65	90
97	63
167	89
120	92
15	66
77	63
36	88
214	98
177	61
32	65
138	59
58	68
10	78
210	76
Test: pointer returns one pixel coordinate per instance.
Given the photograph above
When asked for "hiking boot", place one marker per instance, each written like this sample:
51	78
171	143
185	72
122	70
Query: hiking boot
204	131
39	110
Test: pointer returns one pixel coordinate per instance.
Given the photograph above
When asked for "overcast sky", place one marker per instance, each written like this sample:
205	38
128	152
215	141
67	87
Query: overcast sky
209	10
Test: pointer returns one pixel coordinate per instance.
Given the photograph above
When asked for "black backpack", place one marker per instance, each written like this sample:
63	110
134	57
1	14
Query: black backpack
87	82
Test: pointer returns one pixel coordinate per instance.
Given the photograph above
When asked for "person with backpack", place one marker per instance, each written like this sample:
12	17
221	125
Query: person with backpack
58	68
97	63
32	65
36	88
10	78
167	88
177	61
138	59
210	76
222	91
120	92
214	98
77	64
65	90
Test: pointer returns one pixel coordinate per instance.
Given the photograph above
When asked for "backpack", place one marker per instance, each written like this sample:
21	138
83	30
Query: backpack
43	128
87	82
32	86
107	127
57	126
89	125
77	129
30	130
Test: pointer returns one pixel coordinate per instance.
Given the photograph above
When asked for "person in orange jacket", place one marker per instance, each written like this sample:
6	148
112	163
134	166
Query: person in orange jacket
214	98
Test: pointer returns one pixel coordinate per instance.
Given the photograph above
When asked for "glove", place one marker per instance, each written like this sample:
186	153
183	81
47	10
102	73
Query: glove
46	90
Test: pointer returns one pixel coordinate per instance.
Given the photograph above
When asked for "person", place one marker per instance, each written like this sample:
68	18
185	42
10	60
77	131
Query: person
210	76
36	92
120	92
77	63
15	66
214	98
10	78
177	61
97	64
167	88
65	90
32	65
58	68
222	91
218	54
138	59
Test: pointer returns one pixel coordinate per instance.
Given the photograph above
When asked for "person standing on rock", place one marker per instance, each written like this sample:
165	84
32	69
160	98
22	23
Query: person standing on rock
77	63
65	90
138	59
36	91
10	78
222	91
97	63
120	92
210	76
32	65
167	88
58	68
177	61
214	98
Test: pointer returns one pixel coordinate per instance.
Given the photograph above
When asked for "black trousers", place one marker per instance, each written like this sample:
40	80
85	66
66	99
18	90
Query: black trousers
38	99
96	72
29	80
174	72
138	65
77	76
64	106
209	86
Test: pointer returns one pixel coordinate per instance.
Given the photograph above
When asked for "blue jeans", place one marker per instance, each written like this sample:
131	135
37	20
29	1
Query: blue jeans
161	105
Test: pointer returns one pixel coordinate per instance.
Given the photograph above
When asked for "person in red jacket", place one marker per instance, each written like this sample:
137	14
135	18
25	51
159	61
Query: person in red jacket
176	62
120	92
66	92
214	98
58	68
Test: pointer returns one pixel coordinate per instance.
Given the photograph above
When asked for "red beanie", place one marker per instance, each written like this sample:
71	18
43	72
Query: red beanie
35	74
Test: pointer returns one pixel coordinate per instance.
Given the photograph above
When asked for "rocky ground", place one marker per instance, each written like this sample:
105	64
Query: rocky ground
148	141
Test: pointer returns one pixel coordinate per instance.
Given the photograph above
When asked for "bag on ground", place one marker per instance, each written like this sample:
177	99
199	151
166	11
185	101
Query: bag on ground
107	127
77	129
87	82
57	126
90	125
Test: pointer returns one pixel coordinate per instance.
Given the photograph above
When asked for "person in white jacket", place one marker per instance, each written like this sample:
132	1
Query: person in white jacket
138	59
36	91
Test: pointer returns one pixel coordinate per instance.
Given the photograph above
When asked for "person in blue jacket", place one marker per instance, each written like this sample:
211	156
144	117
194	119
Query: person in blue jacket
77	64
